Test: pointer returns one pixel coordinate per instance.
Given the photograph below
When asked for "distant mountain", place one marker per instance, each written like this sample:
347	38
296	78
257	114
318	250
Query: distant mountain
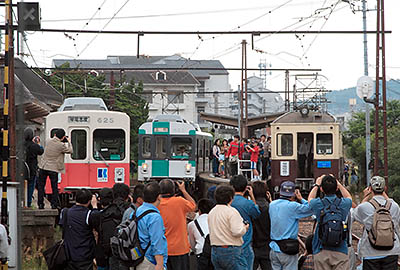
340	99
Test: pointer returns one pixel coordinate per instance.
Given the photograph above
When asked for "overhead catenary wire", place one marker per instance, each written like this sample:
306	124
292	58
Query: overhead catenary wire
109	21
205	12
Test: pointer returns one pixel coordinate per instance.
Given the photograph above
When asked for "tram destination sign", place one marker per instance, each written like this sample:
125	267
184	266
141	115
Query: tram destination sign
78	119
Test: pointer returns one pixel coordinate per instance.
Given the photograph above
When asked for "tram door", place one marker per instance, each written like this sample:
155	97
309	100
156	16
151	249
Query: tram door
305	155
78	165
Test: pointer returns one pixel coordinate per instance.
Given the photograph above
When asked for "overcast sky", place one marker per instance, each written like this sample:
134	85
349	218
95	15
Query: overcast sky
339	56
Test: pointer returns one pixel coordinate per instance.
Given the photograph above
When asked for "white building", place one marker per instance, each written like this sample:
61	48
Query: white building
210	83
260	100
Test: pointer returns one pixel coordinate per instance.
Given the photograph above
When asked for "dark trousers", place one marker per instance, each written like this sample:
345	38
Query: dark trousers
264	165
43	174
234	168
85	265
180	262
115	263
387	263
261	259
31	188
302	165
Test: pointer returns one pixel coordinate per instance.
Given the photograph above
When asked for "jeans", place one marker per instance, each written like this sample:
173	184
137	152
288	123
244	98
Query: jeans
31	188
228	258
248	257
282	261
54	187
215	165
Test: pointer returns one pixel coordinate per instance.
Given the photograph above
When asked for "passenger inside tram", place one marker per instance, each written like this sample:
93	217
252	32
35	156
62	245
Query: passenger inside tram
305	155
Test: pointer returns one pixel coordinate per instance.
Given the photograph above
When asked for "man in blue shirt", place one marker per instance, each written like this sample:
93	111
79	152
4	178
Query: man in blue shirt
248	210
285	214
152	231
329	257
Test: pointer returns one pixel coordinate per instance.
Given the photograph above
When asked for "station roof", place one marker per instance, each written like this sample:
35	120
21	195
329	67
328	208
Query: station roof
32	92
254	122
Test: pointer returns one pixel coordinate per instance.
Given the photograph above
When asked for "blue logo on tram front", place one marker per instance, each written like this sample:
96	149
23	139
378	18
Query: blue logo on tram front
102	174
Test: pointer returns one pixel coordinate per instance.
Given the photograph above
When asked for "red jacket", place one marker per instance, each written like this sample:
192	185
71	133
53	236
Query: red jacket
233	149
255	151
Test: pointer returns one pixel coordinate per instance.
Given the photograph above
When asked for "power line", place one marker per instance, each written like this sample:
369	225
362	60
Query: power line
172	14
109	21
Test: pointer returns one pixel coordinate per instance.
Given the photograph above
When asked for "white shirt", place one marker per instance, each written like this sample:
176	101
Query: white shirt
195	239
3	242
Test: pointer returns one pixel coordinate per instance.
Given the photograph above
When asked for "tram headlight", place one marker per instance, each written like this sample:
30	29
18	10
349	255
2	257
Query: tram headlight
188	168
145	166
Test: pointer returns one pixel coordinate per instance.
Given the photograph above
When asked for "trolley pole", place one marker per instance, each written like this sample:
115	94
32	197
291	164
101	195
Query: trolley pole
367	107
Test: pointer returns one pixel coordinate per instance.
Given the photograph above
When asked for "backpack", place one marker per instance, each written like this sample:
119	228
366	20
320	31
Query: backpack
110	218
125	244
331	225
205	256
381	234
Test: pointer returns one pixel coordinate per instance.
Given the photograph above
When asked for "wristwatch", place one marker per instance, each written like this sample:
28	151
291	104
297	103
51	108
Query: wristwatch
316	185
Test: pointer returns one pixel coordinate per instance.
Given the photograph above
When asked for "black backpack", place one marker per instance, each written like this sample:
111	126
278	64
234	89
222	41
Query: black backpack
110	218
204	262
331	225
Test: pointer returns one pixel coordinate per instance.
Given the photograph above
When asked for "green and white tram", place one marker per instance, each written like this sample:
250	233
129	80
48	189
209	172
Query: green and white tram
170	147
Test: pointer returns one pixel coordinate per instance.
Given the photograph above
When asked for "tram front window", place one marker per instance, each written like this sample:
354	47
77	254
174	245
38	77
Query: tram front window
146	147
161	147
78	140
109	144
285	144
324	144
181	148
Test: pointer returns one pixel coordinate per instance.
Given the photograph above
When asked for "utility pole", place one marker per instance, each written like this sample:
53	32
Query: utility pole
9	142
287	95
244	112
380	80
112	91
367	107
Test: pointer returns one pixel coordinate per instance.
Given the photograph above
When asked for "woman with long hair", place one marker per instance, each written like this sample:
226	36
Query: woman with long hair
215	161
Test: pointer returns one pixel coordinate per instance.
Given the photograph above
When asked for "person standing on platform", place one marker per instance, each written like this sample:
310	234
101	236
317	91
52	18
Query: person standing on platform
52	164
233	154
33	149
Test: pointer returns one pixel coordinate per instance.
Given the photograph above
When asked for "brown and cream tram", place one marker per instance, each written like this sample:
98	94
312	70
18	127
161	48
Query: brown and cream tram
305	145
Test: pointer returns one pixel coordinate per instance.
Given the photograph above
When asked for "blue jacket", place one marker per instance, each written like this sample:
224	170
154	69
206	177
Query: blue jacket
285	215
248	210
151	230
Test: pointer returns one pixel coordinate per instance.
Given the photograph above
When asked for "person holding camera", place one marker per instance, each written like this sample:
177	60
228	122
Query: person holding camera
52	164
173	210
285	214
249	211
330	244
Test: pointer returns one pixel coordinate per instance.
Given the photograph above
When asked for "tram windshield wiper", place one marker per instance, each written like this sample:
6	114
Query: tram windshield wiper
102	158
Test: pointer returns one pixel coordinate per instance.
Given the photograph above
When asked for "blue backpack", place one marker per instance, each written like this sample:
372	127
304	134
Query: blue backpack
331	225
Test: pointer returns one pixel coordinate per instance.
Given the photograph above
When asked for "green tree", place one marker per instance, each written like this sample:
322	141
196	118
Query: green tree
354	140
127	98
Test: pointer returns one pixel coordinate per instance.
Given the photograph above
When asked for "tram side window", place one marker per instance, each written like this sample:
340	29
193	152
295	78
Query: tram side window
79	144
161	147
146	147
285	144
181	148
109	144
324	144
